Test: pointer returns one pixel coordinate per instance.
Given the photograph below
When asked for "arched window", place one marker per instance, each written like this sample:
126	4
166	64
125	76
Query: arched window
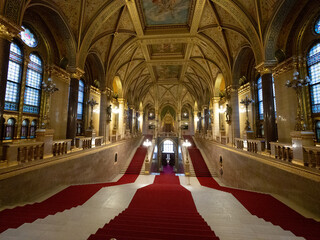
10	128
317	26
168	146
28	37
14	78
33	128
24	128
80	100
314	74
33	85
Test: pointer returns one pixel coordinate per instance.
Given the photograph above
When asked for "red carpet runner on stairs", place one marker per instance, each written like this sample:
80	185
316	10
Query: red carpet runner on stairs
162	210
70	197
262	205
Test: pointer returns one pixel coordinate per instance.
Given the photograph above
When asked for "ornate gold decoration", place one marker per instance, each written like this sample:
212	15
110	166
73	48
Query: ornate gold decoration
283	67
61	74
76	73
8	30
266	67
95	90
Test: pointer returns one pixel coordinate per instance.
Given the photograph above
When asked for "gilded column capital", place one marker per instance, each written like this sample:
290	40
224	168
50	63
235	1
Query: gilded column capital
121	100
107	91
266	67
60	73
231	88
8	30
285	66
215	99
76	73
204	107
95	90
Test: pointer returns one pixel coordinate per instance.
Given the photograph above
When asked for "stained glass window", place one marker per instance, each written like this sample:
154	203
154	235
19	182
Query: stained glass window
260	98
33	128
33	85
24	128
168	146
13	78
10	128
80	100
314	74
317	26
28	37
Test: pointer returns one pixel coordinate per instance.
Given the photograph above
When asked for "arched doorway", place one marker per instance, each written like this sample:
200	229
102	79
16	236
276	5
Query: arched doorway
168	154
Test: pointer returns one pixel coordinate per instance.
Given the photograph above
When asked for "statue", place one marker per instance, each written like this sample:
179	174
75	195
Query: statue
228	113
109	111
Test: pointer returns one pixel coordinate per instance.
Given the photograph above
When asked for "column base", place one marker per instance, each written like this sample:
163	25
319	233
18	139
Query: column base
301	139
45	136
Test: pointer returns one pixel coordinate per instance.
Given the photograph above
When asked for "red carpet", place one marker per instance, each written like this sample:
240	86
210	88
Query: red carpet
70	197
162	210
262	205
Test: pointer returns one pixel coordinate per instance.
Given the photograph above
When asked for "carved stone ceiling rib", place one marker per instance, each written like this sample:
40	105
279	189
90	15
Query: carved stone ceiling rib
167	45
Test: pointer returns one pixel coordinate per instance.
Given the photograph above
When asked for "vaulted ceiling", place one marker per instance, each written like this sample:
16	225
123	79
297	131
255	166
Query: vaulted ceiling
166	51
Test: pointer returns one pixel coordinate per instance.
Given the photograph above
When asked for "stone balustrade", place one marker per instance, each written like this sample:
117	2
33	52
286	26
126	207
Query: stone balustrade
61	147
312	158
98	141
239	142
255	145
224	140
15	153
86	143
282	151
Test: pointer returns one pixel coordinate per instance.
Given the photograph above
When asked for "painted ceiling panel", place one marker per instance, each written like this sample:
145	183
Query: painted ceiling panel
165	12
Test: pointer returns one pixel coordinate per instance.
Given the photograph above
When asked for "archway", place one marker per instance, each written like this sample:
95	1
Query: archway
168	159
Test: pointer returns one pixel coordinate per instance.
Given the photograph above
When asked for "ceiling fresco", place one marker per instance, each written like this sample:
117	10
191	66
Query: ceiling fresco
163	50
166	72
167	49
165	12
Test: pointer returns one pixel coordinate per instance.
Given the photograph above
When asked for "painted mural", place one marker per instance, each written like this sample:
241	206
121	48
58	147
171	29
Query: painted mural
165	72
167	48
166	12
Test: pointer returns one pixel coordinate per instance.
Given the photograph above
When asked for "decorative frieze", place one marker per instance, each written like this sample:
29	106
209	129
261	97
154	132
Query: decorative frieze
244	89
58	72
95	91
8	30
283	67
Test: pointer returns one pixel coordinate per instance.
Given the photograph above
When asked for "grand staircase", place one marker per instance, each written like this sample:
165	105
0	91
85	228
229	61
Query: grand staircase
163	210
261	205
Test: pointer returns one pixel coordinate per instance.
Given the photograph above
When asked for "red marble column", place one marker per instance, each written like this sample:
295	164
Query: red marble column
270	130
72	110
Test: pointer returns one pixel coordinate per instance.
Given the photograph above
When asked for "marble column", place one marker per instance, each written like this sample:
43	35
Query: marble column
205	118
234	127
121	117
215	123
141	121
104	124
270	130
73	105
196	121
